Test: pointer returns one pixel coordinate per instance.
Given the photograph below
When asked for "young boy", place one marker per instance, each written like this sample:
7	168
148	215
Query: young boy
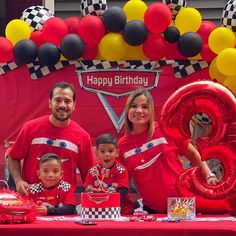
108	175
53	195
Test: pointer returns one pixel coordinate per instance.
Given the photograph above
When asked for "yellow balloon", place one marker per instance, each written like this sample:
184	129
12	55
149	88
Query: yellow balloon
197	57
188	20
226	61
112	47
134	10
134	52
221	38
230	83
215	74
17	30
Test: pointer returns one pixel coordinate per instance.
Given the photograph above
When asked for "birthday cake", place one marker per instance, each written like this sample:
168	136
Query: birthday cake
100	205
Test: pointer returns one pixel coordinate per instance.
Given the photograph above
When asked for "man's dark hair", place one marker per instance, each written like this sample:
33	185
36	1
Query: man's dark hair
63	85
106	139
48	157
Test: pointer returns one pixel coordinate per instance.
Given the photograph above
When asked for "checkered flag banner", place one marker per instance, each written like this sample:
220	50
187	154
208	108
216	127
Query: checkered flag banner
37	71
229	15
6	67
93	7
100	213
185	68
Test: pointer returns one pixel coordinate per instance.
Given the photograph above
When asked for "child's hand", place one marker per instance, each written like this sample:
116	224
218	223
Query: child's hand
41	210
211	179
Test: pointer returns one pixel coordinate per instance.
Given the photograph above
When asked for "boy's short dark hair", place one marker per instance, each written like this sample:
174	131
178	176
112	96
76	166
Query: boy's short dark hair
48	157
106	139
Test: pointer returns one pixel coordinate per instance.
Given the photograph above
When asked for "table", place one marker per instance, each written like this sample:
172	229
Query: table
114	228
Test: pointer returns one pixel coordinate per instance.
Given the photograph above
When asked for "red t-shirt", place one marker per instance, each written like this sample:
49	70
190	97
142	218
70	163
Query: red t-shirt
117	176
154	166
71	143
60	195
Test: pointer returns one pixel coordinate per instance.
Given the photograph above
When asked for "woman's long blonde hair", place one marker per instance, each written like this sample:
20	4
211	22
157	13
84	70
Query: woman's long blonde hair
132	96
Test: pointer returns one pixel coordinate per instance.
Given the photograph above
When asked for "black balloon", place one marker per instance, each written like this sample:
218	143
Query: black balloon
171	34
72	47
48	54
25	51
135	32
114	19
190	44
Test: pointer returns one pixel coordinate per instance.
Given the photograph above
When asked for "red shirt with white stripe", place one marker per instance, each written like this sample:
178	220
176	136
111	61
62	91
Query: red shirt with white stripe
154	166
71	143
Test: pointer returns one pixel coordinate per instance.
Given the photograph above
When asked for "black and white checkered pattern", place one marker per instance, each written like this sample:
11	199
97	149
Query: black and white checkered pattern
188	67
36	188
37	71
65	186
36	16
175	5
100	213
203	118
229	15
5	67
93	7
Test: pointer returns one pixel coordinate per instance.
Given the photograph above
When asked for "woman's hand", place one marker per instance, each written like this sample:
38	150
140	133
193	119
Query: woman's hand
211	179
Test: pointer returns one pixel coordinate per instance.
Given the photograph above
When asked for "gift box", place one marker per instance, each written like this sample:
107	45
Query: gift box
181	208
100	205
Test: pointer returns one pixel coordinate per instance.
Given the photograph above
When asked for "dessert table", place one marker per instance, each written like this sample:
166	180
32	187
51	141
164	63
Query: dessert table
61	226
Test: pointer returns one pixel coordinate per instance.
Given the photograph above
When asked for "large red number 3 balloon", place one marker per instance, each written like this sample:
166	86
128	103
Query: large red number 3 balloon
220	105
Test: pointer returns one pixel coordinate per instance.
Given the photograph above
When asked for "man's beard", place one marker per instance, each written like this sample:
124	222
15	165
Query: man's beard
64	118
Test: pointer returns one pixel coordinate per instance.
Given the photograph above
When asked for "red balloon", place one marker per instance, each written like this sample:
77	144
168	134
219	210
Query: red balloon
205	30
91	29
157	17
37	38
207	53
54	30
154	47
6	50
206	97
91	51
172	52
73	24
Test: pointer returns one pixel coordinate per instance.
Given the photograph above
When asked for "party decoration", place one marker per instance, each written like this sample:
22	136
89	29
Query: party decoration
6	50
215	74
154	47
157	17
225	61
90	52
114	19
205	29
93	7
206	53
25	51
207	97
72	24
230	83
48	54
175	5
171	34
91	29
221	38
15	208
188	20
54	30
134	53
17	30
37	37
229	15
135	10
112	47
72	47
190	44
135	32
36	16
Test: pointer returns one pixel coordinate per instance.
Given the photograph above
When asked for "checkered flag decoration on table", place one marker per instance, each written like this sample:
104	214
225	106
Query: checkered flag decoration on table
100	213
93	7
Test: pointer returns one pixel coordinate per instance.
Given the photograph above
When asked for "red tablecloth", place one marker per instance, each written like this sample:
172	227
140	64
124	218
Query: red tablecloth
111	228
